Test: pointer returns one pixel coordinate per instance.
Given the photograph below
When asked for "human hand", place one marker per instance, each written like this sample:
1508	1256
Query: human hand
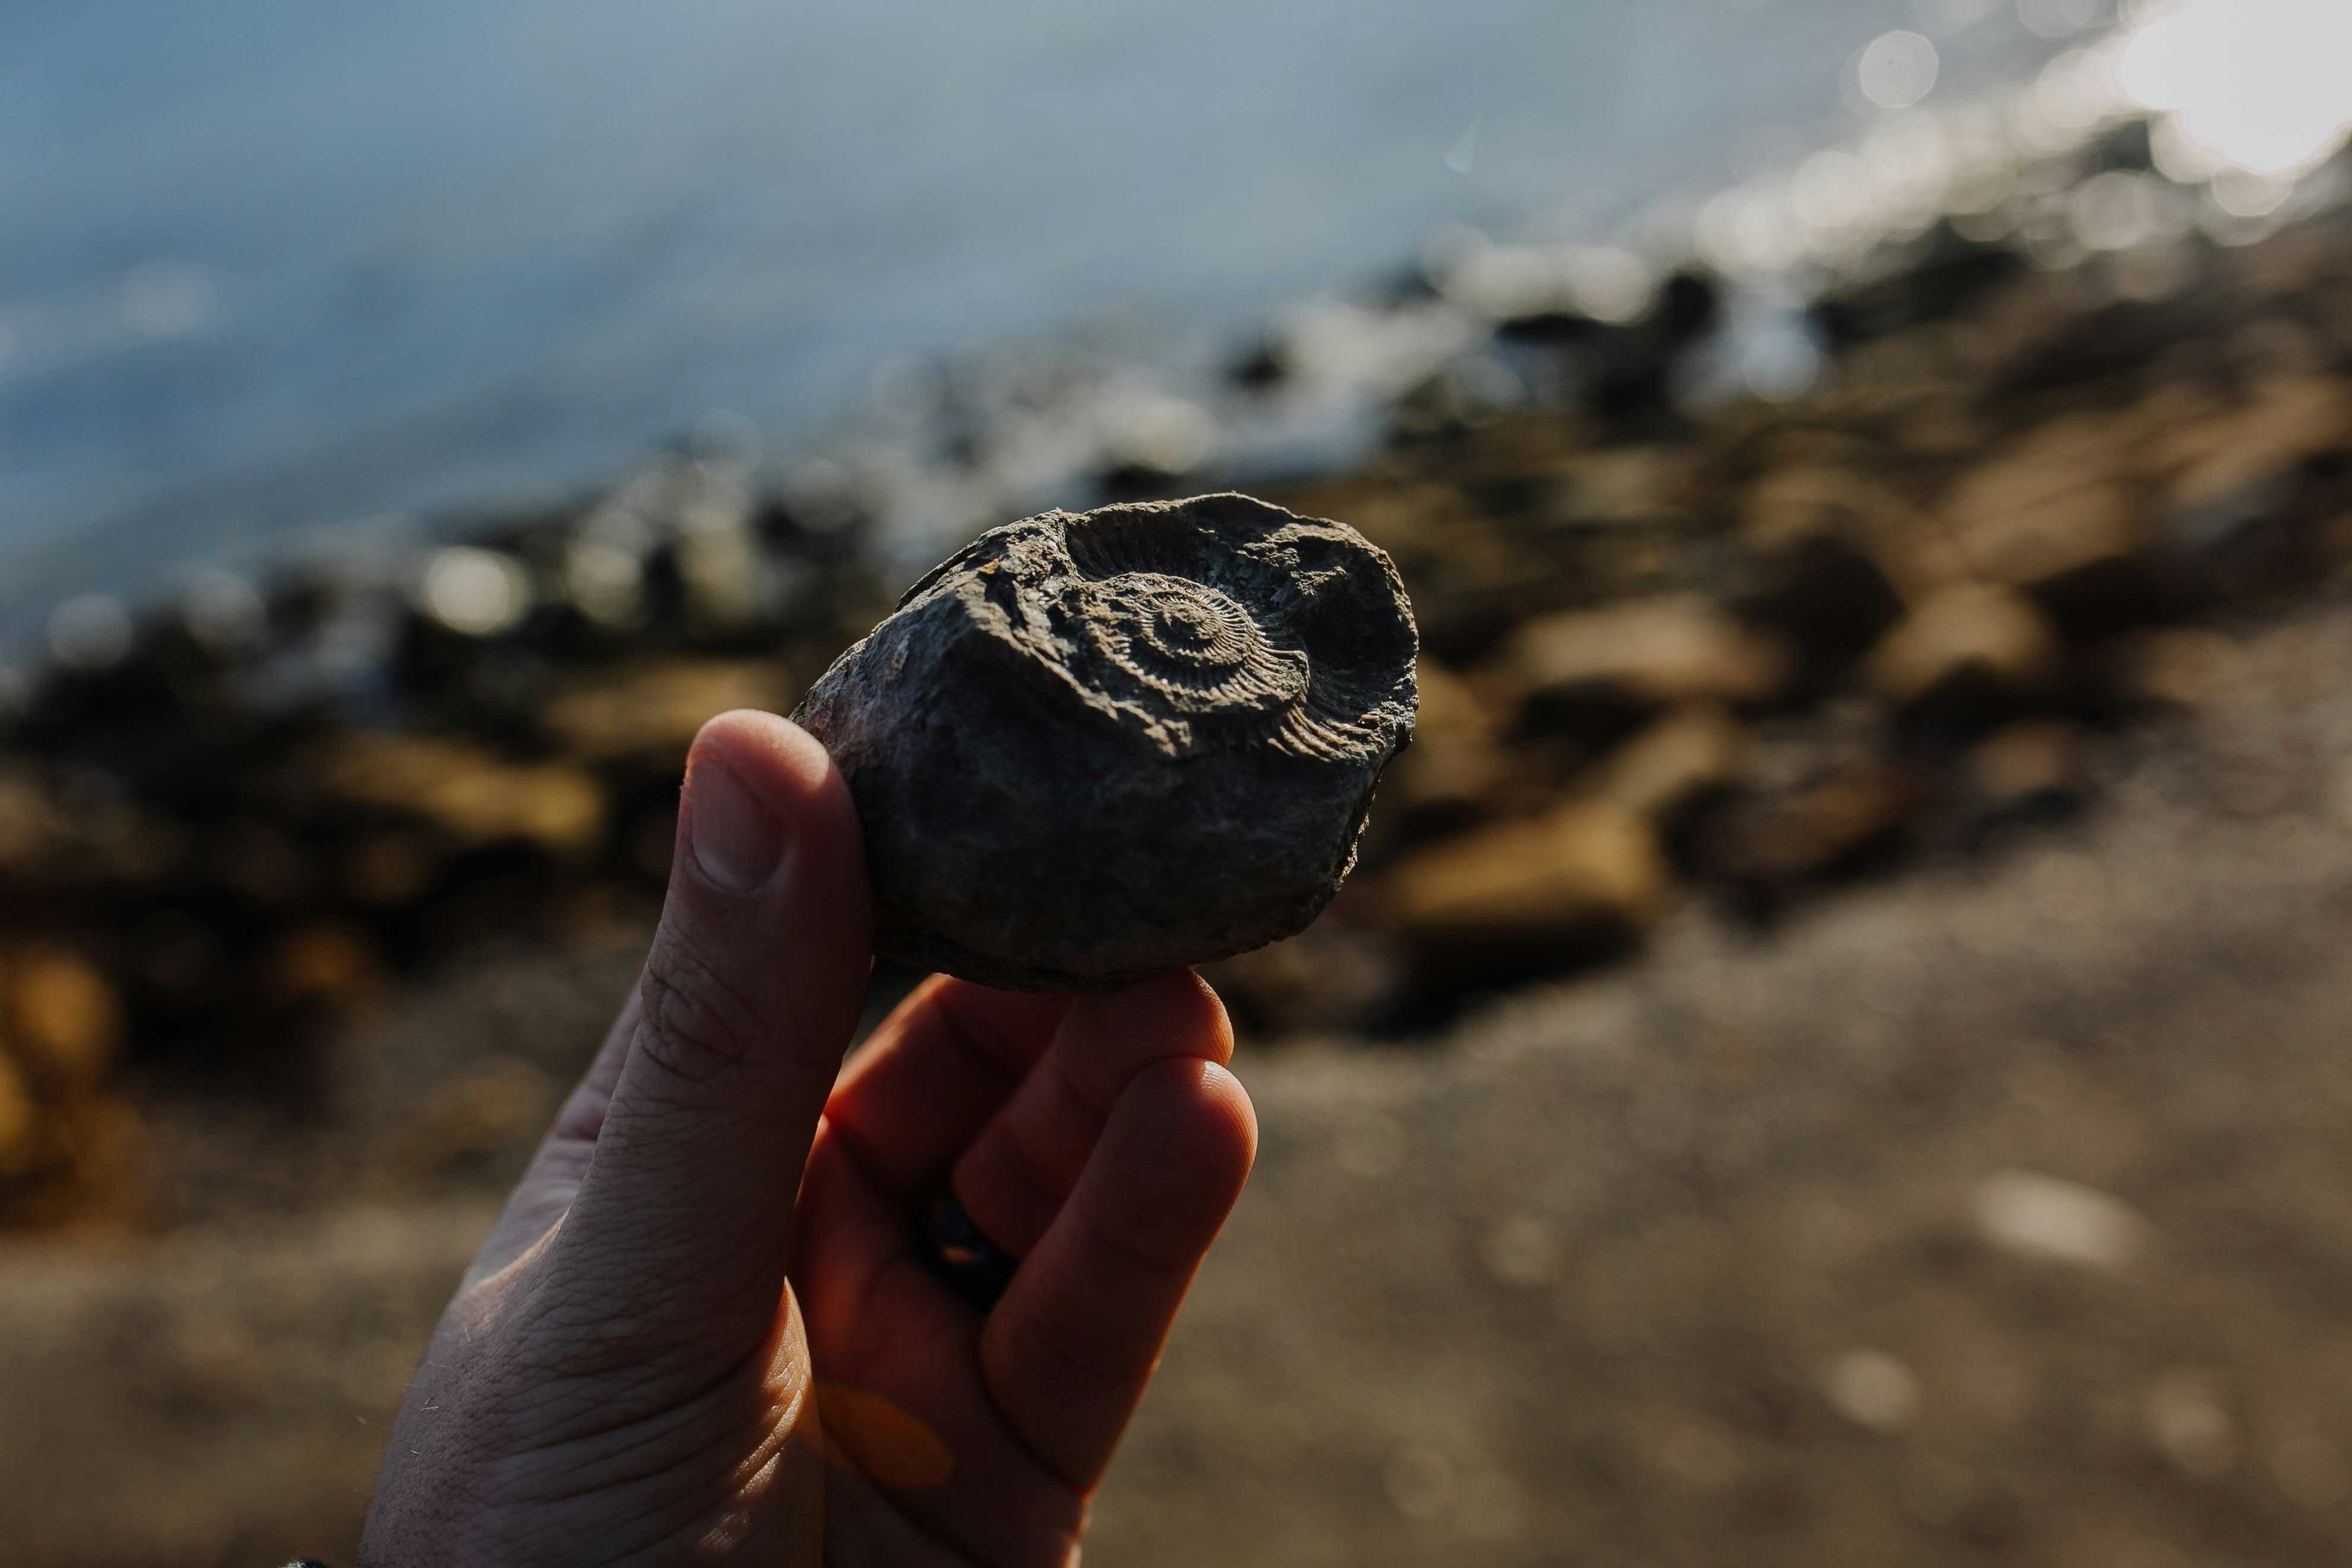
699	1331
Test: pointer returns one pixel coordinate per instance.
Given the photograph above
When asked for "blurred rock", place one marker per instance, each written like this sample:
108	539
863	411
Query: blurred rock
64	1021
1789	505
2237	483
1581	877
652	711
1622	487
2182	666
2287	423
2023	760
1693	748
2058	501
30	823
1967	642
2038	1216
1662	650
1827	597
1447	778
1811	828
1872	1390
20	1122
333	967
468	793
2189	1424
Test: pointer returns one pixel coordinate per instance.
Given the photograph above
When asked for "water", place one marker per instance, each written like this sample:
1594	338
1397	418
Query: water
271	268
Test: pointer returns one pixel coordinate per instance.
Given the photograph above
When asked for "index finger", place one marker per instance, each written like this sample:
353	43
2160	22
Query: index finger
934	1073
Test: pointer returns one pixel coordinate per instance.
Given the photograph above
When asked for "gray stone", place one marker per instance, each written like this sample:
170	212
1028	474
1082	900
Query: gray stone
1090	747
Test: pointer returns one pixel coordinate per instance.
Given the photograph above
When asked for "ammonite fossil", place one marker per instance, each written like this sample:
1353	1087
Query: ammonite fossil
1089	747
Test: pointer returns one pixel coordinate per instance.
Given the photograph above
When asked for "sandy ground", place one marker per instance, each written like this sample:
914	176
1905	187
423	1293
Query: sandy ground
1748	1252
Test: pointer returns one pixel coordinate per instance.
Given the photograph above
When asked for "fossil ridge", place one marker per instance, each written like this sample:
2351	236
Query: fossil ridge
1091	746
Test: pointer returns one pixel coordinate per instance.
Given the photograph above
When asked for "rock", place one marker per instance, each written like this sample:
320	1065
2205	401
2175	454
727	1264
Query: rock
1690	750
31	827
1657	650
2059	501
1977	632
20	1122
2289	422
1088	748
651	711
1826	597
1454	766
1585	874
1813	500
63	1019
2182	666
2038	757
1622	487
1812	828
469	793
329	966
1874	1390
2237	483
2039	1216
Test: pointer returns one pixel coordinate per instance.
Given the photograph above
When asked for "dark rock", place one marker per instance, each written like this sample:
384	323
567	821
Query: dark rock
1088	748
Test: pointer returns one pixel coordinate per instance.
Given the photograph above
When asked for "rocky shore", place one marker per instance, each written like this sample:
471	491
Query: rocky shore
1935	773
1735	650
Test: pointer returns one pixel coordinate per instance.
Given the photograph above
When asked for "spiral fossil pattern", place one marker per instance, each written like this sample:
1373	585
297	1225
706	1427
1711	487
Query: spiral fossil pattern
1192	648
1091	746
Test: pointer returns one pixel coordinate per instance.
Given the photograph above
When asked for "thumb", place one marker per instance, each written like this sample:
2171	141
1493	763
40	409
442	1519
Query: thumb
675	1242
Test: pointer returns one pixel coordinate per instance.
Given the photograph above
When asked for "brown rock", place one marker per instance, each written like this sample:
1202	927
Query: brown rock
20	1122
652	711
2288	423
1656	650
329	966
30	824
1455	764
1966	632
2036	757
64	1022
473	796
1691	749
2181	666
1622	487
1813	828
1791	504
2062	499
1585	872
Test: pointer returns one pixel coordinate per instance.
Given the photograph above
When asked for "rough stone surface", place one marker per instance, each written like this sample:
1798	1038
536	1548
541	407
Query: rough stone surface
1091	747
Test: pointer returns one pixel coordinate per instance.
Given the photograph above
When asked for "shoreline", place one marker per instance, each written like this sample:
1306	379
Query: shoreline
1739	651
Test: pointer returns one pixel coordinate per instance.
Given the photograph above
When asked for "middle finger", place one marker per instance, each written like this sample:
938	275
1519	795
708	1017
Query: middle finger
1013	1178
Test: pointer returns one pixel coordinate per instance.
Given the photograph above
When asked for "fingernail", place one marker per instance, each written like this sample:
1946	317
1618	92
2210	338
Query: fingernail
736	842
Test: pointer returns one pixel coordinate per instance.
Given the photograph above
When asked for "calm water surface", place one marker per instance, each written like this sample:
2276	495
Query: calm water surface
268	267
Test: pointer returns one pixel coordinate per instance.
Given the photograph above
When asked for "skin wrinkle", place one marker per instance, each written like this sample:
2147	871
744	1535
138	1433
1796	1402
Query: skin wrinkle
698	1025
647	1458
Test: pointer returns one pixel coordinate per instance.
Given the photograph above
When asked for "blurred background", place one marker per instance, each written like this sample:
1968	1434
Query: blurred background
1835	1051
